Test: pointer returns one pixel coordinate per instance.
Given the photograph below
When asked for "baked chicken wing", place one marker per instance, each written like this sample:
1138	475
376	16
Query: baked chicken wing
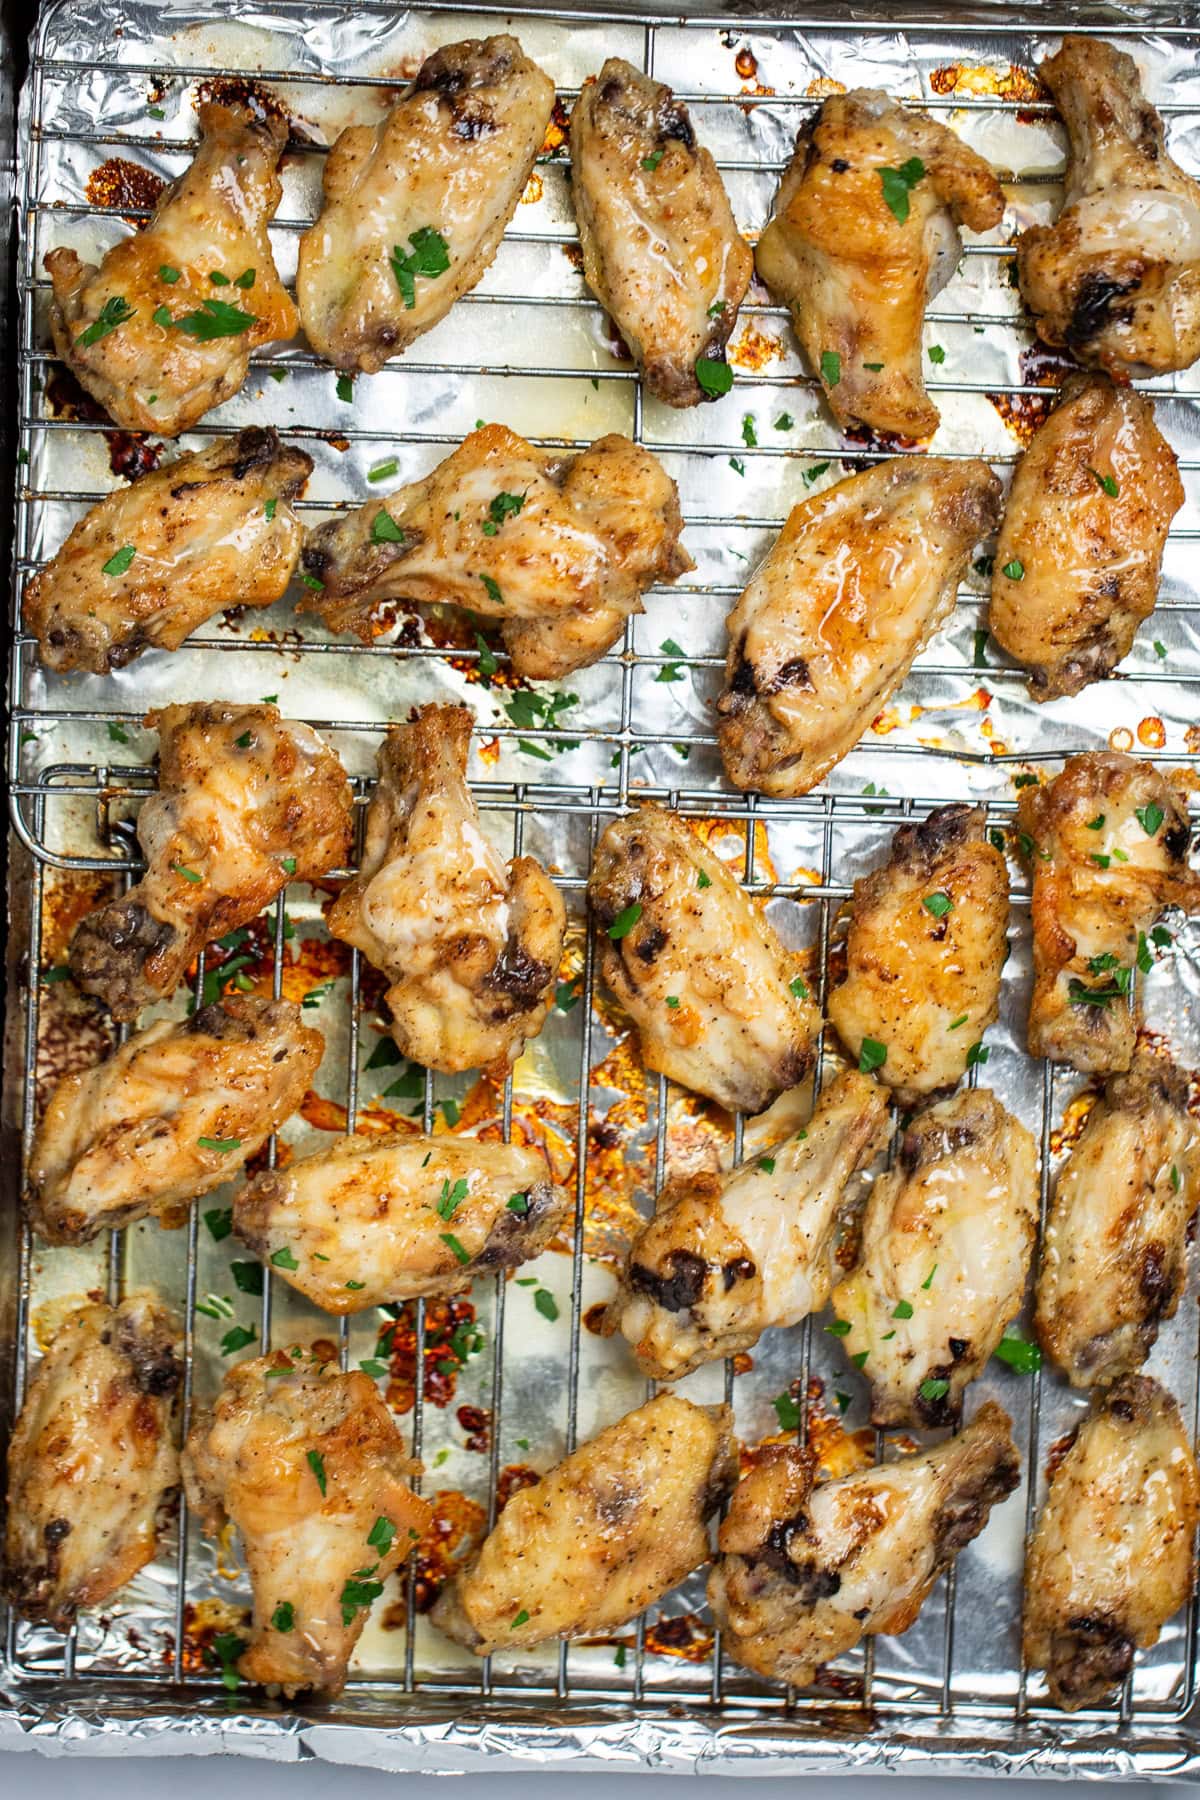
924	951
415	206
946	1245
164	329
246	802
725	1256
470	944
1117	277
1107	841
806	1572
92	1464
172	1114
309	1467
661	251
1114	1255
369	1221
864	235
1077	564
858	581
1111	1555
156	559
560	549
602	1536
715	997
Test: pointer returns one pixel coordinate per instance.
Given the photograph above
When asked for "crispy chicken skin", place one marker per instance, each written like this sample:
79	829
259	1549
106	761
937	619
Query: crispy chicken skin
207	529
726	1256
452	159
310	1468
806	1572
1100	878
858	581
856	276
924	951
602	1536
1114	1254
1111	1556
246	801
471	945
559	549
92	1464
1087	517
946	1244
661	251
1117	277
149	333
135	1136
685	930
369	1221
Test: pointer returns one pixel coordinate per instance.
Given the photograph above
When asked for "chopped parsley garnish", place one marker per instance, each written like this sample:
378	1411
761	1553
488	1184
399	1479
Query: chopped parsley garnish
486	664
245	280
215	319
384	529
902	1309
928	1281
491	588
787	1412
1144	958
162	316
651	162
115	311
715	377
1096	824
316	1463
796	986
522	1618
117	733
749	433
518	1203
120	560
247	1277
1015	570
546	1304
223	1653
373	1367
452	1244
703	880
673	1002
814	473
429	257
670	671
219	1220
767	1164
217	279
938	904
1160	649
1017	1351
784	422
898	184
451	1198
625	921
955	1023
168	274
859	1358
977	1055
503	506
383	471
936	354
1176	1179
284	1259
1107	482
1080	994
345	389
1149	817
222	1146
979	658
872	1055
288	865
359	1592
831	368
382	1535
839	1328
271	507
566	996
238	1338
284	1616
934	1388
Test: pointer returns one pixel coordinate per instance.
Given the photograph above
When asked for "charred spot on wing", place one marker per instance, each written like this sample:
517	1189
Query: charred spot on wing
793	674
676	1289
739	1269
1094	307
649	943
519	975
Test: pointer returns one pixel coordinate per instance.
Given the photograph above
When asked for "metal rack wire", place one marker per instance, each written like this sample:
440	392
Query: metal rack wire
50	797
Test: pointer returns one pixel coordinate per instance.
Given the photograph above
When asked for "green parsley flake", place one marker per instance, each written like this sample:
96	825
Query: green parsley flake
1020	1355
384	529
902	1310
238	1338
715	378
936	354
1107	482
284	1616
316	1463
651	162
120	560
831	368
359	1592
381	1535
938	904
215	319
429	257
796	986
222	1146
625	921
1149	817
522	1618
977	1055
897	185
383	471
284	1259
1015	570
767	1164
787	1412
546	1304
518	1203
115	311
452	1244
703	880
872	1055
934	1388
345	389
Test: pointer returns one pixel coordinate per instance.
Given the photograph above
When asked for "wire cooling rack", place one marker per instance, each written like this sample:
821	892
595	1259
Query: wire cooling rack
637	727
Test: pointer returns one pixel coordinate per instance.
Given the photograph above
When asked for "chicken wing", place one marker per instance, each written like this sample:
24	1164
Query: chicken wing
471	945
369	1221
1107	841
864	235
600	1537
308	1465
164	329
156	559
1114	1255
698	967
415	206
560	549
946	1245
1111	1555
92	1465
727	1256
1117	277
858	581
173	1114
661	251
246	802
806	1572
926	944
1077	564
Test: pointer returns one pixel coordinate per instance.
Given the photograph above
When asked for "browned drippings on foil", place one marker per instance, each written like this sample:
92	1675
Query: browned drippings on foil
1013	83
456	1530
130	453
476	1422
511	1479
441	1366
203	1623
753	349
558	131
121	185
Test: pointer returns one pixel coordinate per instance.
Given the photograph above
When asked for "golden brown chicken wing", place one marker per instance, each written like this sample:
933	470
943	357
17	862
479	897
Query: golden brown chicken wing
164	329
470	944
1114	1256
415	206
176	1111
602	1536
1111	1556
92	1465
308	1465
661	251
864	235
946	1245
560	549
246	802
857	583
727	1256
1077	564
806	1572
369	1221
1107	841
717	1001
154	560
1117	277
924	951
